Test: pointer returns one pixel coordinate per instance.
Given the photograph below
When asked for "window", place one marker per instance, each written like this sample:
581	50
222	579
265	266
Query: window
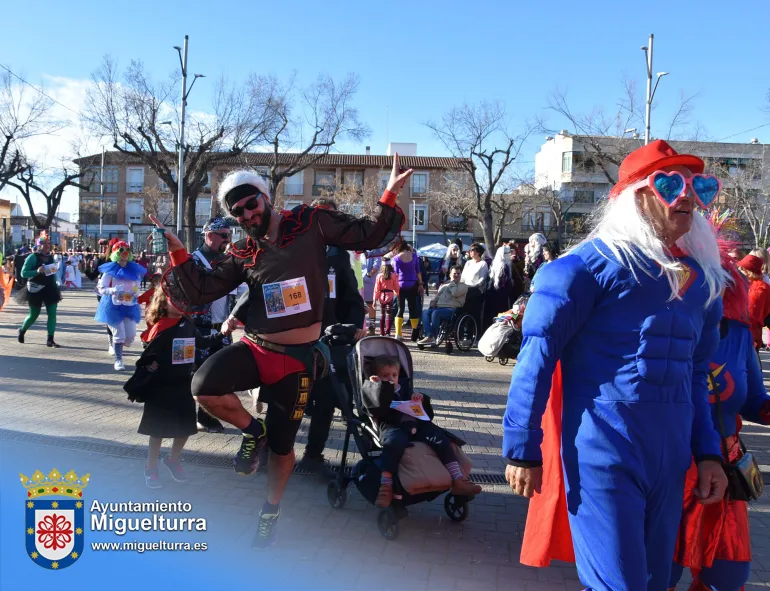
577	162
263	171
135	179
291	203
384	178
294	184
91	177
576	223
353	178
134	211
202	210
456	223
162	186
324	180
207	186
419	184
537	220
420	213
566	162
89	211
583	196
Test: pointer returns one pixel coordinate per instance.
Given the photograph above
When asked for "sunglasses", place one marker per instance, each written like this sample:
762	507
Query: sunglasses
123	249
670	186
223	235
250	205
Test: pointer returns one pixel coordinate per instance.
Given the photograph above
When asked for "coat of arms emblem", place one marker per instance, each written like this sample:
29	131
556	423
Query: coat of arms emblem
54	526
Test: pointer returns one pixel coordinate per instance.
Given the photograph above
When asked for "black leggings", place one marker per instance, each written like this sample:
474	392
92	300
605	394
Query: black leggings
233	369
411	294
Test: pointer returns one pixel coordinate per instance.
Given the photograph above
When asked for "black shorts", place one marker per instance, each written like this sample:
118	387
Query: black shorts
284	384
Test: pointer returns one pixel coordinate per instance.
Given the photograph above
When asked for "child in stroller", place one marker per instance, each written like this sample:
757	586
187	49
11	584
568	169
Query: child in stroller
398	429
504	338
420	475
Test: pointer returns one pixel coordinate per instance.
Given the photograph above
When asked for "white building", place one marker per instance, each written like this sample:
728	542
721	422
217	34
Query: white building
573	165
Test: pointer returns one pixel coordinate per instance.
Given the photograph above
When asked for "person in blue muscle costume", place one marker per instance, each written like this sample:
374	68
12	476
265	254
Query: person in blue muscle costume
632	315
118	308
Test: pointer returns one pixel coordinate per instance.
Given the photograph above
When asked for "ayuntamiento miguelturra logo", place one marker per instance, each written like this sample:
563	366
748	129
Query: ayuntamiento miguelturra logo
54	524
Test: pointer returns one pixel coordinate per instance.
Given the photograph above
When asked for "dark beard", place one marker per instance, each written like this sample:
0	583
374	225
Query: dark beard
258	232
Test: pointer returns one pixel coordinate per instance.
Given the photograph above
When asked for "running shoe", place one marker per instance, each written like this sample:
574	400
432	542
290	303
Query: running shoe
175	469
247	460
119	365
266	529
152	479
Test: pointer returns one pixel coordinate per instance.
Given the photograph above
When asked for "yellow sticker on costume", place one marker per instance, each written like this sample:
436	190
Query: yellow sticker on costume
285	298
332	285
183	351
297	414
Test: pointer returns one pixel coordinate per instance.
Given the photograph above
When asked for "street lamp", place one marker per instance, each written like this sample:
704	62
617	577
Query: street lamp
650	90
180	171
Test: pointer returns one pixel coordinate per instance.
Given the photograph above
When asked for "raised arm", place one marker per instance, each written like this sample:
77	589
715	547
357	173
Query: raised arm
187	285
351	233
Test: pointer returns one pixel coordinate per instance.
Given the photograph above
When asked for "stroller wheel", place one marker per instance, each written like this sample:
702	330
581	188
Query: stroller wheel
387	522
503	361
337	496
489	359
449	347
456	509
421	347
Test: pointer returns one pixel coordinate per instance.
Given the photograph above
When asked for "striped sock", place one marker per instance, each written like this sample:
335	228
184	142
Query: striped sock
454	470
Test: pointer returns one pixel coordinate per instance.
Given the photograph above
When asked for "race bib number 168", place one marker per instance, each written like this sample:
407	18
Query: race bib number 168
285	298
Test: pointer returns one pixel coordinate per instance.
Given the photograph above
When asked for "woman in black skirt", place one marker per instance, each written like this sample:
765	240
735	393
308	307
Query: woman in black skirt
162	381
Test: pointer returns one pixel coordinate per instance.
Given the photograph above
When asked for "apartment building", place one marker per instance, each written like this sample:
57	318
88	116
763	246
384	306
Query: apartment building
569	165
130	187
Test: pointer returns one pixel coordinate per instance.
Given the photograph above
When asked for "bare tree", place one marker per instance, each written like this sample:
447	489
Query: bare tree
480	135
359	200
605	132
455	197
159	204
31	185
742	192
24	113
140	117
509	209
306	123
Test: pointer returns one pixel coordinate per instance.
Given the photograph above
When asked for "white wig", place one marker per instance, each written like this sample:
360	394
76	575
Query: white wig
631	237
238	178
534	247
499	263
452	248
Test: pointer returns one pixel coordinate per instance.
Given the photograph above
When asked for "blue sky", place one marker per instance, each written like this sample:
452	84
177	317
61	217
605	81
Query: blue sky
419	59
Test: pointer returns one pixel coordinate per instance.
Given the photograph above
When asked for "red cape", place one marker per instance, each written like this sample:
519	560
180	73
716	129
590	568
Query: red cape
547	535
6	285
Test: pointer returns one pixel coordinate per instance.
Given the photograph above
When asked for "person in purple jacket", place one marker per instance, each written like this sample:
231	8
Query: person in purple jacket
406	264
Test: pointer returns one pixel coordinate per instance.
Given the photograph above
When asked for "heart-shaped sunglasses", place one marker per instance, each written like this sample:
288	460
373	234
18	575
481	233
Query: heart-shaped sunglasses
670	186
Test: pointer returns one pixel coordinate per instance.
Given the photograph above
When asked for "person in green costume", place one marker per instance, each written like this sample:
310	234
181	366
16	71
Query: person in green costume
41	289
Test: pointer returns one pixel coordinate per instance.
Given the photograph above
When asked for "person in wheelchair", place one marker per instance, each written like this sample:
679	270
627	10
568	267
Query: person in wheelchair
449	298
398	429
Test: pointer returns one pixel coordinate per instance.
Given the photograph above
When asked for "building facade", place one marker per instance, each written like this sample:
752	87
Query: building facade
580	170
132	190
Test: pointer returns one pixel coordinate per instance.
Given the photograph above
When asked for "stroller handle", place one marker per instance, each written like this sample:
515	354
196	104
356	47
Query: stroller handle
340	335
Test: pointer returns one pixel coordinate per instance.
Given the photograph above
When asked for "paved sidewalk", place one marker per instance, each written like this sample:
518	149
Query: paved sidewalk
68	406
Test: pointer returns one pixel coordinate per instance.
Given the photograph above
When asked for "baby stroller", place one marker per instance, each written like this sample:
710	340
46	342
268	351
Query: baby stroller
420	470
503	339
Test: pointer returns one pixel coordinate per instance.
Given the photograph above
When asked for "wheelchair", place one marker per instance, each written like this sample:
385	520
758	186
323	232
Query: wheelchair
460	330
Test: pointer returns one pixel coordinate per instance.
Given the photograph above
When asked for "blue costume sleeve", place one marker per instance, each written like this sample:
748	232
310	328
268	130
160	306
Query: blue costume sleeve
566	294
756	396
704	441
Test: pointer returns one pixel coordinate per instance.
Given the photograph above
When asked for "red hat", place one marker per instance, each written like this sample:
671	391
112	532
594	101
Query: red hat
751	263
647	159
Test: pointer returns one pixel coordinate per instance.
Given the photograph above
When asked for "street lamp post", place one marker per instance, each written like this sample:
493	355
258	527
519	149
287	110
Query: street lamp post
180	173
650	89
